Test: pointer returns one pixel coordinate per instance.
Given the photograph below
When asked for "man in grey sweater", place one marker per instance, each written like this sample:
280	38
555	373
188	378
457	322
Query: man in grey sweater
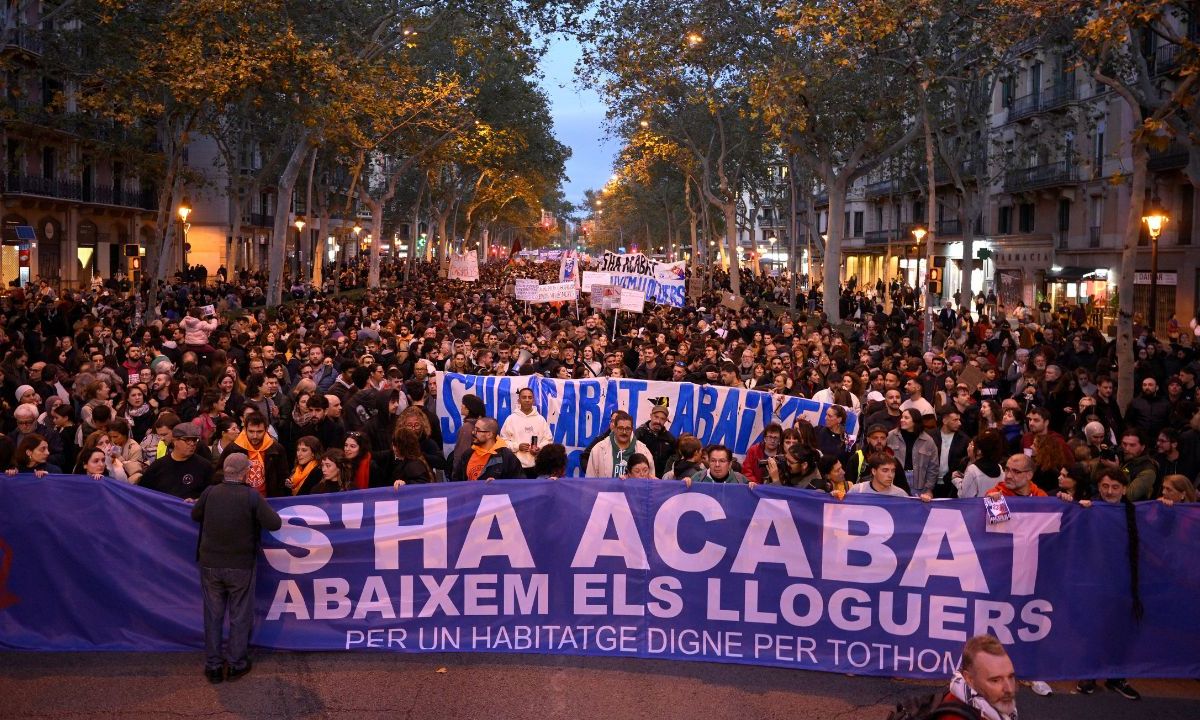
232	516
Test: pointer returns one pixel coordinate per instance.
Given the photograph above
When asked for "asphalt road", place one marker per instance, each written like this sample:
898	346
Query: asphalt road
368	686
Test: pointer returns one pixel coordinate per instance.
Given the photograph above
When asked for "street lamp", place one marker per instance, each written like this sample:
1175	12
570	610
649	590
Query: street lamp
357	230
1155	217
185	209
919	234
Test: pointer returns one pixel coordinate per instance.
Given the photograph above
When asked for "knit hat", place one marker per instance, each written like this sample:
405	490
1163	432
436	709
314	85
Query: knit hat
23	391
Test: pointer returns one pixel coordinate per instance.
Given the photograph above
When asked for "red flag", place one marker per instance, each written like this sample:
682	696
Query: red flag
516	248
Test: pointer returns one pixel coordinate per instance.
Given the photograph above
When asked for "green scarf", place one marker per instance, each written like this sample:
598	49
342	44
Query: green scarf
621	457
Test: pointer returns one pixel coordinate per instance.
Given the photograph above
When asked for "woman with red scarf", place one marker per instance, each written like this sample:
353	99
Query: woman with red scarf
364	472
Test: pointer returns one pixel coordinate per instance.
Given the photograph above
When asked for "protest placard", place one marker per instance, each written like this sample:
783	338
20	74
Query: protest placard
464	266
555	292
633	300
526	289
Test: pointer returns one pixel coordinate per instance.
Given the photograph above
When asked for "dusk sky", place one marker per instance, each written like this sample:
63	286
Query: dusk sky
578	119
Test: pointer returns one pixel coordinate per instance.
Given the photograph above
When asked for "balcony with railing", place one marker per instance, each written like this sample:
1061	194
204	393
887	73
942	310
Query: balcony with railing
73	190
883	188
880	237
1173	157
1166	58
1057	95
26	40
1041	176
949	228
259	220
1024	106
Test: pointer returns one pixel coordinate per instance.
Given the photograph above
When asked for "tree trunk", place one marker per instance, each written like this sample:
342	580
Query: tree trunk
283	199
930	214
729	209
1139	156
305	244
832	263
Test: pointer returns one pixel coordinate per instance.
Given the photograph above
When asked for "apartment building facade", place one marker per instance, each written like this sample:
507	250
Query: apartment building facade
71	207
1051	185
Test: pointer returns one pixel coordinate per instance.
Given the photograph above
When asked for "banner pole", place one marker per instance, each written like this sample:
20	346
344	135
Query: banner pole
614	334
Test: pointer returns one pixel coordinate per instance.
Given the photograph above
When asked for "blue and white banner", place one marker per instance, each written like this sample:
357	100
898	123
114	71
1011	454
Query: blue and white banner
663	283
649	569
578	410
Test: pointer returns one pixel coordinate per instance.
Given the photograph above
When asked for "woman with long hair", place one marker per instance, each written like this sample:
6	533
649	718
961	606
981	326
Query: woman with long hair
332	471
1049	458
916	453
136	411
983	471
410	464
363	472
306	472
113	466
31	456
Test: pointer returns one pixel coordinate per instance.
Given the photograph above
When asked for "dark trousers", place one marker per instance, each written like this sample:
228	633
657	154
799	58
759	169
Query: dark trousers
233	590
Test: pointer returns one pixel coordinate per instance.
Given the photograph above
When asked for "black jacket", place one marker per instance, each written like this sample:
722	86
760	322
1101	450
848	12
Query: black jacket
232	516
660	444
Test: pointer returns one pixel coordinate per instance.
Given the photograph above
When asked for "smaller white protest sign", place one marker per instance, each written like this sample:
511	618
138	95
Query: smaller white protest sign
526	289
556	292
591	277
464	266
208	311
606	297
632	300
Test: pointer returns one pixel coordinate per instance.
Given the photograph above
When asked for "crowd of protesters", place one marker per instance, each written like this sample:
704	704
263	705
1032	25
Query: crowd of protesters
334	391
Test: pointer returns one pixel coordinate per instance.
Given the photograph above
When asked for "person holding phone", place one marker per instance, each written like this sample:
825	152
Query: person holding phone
524	429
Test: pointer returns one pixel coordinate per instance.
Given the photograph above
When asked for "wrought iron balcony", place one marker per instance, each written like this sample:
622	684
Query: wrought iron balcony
259	220
1057	95
880	237
1024	106
26	40
1173	157
1166	58
36	186
883	188
1041	176
949	228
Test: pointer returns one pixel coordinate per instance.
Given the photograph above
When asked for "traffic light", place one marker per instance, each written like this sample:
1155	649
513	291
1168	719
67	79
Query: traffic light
935	281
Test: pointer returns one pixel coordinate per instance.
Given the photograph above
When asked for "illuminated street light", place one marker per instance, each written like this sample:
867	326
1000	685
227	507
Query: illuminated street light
1155	217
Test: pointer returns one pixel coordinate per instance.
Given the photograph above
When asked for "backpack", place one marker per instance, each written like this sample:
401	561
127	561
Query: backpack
929	707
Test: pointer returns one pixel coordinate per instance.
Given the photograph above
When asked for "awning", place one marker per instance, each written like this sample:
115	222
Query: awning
1075	274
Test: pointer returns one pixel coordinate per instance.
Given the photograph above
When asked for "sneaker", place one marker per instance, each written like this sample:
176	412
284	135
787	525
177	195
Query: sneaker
1123	689
1040	688
235	673
1086	687
214	675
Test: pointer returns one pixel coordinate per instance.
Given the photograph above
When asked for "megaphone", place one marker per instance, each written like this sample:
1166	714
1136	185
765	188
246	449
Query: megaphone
522	357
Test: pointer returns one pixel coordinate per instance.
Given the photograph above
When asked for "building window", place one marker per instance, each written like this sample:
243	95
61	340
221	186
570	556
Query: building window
1006	91
846	225
1098	149
1025	217
858	223
918	211
1004	221
879	217
1064	215
48	163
